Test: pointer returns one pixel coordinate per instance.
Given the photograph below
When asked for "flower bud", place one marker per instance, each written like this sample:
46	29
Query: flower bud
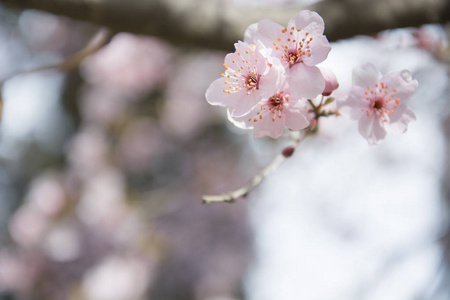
331	82
288	151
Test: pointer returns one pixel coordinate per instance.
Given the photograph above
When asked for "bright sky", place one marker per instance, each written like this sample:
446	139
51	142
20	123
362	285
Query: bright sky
342	220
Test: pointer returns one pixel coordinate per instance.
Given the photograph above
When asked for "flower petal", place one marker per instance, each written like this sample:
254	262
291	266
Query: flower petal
401	125
378	132
216	95
320	47
371	129
295	120
366	75
365	125
239	121
245	103
306	81
269	82
267	127
352	105
402	82
267	32
249	35
309	21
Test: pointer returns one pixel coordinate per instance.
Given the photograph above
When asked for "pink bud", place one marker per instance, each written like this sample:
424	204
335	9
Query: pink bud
331	82
288	151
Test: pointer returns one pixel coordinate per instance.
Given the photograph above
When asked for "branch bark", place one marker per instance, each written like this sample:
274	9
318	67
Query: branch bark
216	24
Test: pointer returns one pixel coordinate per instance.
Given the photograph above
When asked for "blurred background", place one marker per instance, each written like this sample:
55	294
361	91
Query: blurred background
102	169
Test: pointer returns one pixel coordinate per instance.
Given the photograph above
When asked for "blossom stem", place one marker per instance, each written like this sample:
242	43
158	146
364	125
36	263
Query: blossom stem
273	165
244	191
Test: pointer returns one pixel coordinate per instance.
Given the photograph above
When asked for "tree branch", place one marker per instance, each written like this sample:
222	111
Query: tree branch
215	24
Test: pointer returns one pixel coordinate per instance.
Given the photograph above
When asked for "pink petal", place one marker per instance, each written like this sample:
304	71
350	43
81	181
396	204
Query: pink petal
309	21
267	127
269	83
239	121
245	104
402	82
370	129
398	112
378	133
366	75
249	35
401	125
305	81
320	47
365	125
295	120
215	94
240	47
268	32
352	105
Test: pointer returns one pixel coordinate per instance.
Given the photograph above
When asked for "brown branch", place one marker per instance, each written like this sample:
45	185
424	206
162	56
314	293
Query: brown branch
296	138
100	39
215	24
243	191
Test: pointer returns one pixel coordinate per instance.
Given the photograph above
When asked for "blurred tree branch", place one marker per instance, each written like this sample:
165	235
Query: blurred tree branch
219	25
100	39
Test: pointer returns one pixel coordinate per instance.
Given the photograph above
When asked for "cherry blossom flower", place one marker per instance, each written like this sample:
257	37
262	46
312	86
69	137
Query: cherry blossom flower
270	116
379	102
248	73
300	47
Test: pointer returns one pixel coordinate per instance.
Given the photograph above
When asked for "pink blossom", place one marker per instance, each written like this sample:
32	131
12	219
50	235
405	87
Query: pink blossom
129	62
270	116
331	82
300	47
379	102
248	74
428	39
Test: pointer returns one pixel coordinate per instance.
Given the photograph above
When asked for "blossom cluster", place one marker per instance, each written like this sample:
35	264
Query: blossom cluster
270	76
270	80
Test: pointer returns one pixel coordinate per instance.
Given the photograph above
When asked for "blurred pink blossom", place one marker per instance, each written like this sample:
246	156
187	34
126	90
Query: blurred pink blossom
184	112
63	242
117	278
140	142
129	62
428	39
18	271
103	106
29	225
48	193
102	201
87	152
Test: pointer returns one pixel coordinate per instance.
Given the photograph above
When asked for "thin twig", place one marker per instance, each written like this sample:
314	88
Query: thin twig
278	160
100	39
243	191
